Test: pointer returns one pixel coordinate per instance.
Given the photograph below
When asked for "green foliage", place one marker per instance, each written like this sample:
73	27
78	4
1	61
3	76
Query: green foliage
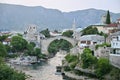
73	64
12	55
1	60
18	43
3	51
46	32
71	58
87	58
8	48
115	74
33	44
20	35
30	47
102	45
67	68
68	33
90	30
2	38
59	44
6	73
33	52
103	67
108	21
38	53
103	34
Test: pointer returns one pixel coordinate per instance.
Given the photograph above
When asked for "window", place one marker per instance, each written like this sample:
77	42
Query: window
88	42
83	41
116	44
113	44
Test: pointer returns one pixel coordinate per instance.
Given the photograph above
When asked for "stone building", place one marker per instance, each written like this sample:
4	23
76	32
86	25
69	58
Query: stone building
115	49
90	40
32	35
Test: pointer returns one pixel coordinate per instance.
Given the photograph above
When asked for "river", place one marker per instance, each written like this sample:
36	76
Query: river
44	70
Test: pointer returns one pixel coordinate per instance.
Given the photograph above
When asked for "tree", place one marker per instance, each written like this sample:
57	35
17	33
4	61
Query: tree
2	38
71	58
33	44
68	33
90	30
87	58
7	73
18	43
30	47
38	53
46	32
3	51
108	21
59	44
8	48
103	67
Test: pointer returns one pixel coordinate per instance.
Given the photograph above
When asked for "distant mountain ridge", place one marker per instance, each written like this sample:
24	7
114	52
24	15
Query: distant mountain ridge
17	17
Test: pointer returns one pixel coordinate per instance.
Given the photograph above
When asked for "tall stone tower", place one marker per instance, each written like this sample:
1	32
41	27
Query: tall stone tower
31	33
74	29
103	19
74	25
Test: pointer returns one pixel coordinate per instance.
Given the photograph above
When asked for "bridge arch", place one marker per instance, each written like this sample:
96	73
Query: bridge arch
46	42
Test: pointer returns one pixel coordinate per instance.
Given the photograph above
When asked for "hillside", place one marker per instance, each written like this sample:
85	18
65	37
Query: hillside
17	17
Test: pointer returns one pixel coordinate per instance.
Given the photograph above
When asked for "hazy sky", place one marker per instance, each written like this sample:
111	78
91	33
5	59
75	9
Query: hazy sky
70	5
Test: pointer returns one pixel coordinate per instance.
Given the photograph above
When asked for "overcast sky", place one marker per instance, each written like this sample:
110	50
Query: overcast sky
70	5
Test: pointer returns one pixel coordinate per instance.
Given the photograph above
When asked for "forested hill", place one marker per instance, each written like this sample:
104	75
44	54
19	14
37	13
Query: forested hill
17	17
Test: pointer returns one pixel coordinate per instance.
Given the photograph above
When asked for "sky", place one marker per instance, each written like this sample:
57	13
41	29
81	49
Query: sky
70	5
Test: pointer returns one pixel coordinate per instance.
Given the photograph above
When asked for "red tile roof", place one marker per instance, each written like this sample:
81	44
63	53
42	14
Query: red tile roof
118	19
112	25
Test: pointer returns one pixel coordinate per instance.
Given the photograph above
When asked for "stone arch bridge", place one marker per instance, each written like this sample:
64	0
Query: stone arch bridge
46	42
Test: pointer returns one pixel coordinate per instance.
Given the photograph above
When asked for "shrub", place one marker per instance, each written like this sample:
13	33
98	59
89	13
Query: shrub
103	67
71	58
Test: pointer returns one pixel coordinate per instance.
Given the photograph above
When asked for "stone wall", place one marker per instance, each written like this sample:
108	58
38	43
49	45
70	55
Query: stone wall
115	60
102	52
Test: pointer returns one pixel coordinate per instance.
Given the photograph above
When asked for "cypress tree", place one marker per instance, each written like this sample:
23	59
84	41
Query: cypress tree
108	21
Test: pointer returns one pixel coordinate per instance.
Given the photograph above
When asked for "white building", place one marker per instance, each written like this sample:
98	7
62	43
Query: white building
90	40
115	49
7	41
115	43
55	34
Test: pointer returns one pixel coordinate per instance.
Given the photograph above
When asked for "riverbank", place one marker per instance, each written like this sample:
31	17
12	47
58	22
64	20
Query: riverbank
45	70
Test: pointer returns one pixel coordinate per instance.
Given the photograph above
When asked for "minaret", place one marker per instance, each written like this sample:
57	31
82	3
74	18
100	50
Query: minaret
74	28
74	25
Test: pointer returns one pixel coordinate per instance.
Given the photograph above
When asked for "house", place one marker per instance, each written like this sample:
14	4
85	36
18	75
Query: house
7	41
90	40
55	34
111	28
100	27
115	49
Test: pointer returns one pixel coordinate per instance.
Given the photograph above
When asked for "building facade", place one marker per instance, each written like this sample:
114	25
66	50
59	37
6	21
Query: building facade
115	49
90	40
